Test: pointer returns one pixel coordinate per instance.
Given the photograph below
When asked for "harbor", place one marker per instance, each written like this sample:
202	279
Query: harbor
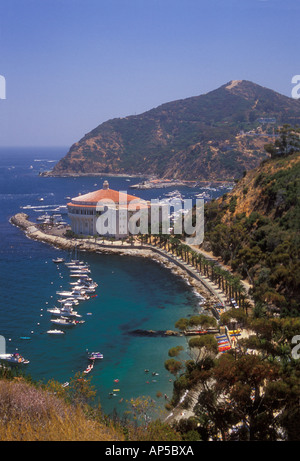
128	322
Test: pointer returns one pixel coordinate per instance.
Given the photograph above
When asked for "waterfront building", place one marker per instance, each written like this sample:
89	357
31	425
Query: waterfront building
106	212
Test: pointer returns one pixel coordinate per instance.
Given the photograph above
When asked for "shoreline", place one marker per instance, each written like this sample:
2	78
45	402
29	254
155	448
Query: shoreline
200	285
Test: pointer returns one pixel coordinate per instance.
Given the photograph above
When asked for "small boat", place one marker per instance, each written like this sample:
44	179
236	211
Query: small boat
13	358
95	356
55	332
25	337
58	260
89	368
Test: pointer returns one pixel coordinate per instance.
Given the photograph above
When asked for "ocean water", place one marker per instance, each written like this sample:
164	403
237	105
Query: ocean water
133	293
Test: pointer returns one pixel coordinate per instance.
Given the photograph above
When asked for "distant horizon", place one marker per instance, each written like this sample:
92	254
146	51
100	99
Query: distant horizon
71	65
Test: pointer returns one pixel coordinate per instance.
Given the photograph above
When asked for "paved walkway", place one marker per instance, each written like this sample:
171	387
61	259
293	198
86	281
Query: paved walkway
212	287
211	257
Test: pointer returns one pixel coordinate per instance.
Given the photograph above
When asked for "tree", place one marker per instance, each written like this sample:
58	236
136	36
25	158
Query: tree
287	143
81	388
237	393
203	347
175	351
173	366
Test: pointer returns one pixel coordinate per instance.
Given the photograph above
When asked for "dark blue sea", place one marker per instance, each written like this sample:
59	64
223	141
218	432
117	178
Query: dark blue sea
132	293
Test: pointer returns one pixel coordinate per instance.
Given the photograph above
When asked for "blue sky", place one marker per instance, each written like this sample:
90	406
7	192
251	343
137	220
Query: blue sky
70	65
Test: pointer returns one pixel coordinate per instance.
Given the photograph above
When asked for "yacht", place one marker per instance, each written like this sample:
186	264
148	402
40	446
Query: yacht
95	355
81	275
69	301
13	358
43	217
63	321
80	271
65	311
74	262
85	289
78	267
65	294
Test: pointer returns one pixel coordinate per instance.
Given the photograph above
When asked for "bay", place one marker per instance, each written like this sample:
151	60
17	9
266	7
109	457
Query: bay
133	293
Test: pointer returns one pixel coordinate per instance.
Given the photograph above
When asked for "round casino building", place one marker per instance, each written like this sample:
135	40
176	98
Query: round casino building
106	212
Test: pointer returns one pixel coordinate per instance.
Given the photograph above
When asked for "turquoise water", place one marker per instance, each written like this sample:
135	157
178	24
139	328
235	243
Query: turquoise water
133	293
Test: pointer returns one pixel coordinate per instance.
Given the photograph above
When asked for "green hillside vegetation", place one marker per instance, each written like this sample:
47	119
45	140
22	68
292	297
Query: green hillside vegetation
216	135
250	393
255	230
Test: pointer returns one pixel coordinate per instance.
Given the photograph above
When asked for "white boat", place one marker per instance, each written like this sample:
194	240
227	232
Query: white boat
65	311
74	262
55	332
79	271
83	297
64	322
77	294
81	275
95	356
89	368
69	301
78	267
13	358
84	289
88	287
65	294
43	217
58	260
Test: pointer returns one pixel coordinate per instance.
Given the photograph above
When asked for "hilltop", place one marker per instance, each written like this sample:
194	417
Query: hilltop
215	136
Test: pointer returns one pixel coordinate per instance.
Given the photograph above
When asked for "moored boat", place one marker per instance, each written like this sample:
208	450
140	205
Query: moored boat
13	358
95	355
62	321
89	368
65	311
55	332
58	260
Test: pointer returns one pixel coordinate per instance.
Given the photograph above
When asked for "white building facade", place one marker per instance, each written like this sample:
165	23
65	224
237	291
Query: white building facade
105	212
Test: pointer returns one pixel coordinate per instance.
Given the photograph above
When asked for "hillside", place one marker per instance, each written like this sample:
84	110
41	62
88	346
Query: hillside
217	135
255	229
31	412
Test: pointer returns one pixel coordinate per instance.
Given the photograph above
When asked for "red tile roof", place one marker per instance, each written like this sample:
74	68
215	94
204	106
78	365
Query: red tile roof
105	195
